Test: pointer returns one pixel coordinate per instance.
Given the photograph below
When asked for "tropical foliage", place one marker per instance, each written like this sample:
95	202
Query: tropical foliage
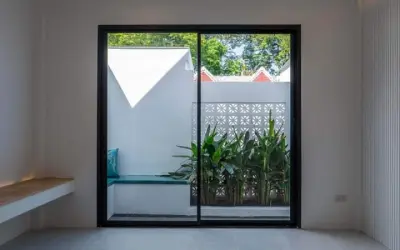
263	159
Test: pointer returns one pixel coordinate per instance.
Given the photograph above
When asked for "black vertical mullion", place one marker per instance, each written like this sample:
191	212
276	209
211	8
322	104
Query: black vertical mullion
102	194
198	128
292	104
295	103
297	96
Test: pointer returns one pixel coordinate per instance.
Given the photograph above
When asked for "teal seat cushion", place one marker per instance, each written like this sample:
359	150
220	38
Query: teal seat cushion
112	163
110	181
146	179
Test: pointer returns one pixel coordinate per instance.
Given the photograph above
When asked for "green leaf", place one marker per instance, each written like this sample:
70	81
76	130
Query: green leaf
210	149
259	137
182	156
217	156
194	149
213	133
229	168
271	124
223	138
207	132
249	145
209	140
246	137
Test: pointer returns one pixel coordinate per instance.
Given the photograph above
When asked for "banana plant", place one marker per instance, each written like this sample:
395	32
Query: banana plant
241	147
271	161
214	165
229	162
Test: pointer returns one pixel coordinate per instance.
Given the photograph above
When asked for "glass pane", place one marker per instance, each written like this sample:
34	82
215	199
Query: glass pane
245	124
151	91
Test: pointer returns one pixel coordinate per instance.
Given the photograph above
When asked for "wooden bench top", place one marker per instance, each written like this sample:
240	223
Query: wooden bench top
21	190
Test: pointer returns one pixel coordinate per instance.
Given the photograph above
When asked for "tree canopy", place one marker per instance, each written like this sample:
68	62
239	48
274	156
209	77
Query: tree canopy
222	54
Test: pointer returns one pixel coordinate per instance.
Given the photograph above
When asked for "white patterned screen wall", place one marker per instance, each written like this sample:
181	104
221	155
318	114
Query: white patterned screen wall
381	129
238	117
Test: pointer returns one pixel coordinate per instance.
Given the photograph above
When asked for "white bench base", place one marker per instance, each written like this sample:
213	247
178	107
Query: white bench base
168	199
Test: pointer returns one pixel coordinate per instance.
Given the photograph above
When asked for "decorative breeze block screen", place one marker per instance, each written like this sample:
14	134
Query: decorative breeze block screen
239	117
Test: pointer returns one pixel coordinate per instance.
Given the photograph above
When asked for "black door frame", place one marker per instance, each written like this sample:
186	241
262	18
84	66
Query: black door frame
295	116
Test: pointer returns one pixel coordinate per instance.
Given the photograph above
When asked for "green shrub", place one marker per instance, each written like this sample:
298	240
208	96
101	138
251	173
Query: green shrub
230	161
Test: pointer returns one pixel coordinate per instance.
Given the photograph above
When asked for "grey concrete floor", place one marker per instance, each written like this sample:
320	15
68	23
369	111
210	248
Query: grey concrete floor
190	239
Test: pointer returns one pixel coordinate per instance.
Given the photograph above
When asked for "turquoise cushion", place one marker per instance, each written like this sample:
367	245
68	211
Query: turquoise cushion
146	179
112	163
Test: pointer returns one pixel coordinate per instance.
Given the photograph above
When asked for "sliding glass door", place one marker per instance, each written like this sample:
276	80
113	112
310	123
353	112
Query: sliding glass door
245	127
151	89
196	125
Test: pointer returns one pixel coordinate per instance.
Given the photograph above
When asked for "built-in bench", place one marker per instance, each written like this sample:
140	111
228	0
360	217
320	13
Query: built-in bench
21	197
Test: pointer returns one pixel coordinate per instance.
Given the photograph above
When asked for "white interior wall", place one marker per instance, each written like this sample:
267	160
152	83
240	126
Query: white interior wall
381	114
331	96
16	44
